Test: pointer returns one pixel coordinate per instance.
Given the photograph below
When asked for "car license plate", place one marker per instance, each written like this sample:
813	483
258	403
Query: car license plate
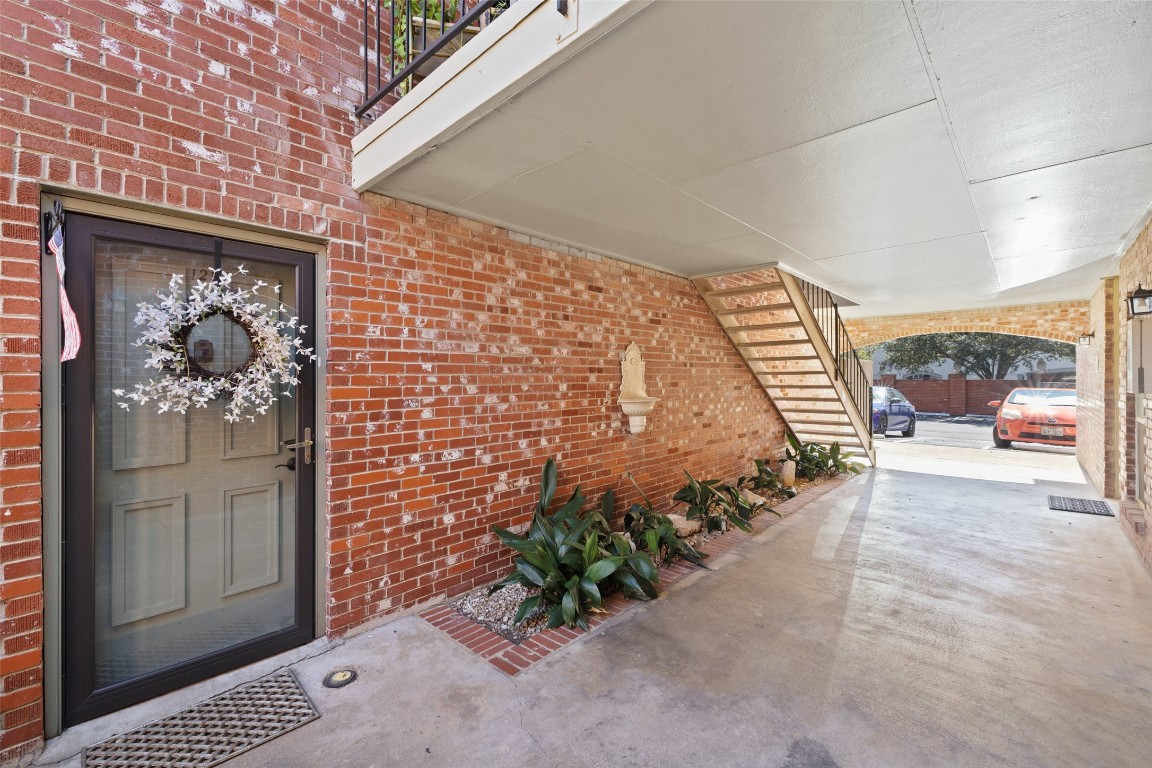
1052	431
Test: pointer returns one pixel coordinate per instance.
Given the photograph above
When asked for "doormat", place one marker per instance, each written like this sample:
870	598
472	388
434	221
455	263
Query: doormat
1087	506
213	731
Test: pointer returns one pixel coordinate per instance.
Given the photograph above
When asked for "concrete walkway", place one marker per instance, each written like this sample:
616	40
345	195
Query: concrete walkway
932	612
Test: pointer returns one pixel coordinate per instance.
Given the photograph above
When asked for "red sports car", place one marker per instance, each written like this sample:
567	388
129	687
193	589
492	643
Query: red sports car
1045	416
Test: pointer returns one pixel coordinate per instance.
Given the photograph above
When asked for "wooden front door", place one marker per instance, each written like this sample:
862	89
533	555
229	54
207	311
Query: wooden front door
188	539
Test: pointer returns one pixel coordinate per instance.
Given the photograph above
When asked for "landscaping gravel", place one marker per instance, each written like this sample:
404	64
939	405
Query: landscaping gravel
497	610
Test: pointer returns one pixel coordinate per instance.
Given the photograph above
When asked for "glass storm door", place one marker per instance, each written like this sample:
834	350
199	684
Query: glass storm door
188	539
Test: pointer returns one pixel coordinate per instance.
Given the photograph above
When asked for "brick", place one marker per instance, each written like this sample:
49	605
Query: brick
504	665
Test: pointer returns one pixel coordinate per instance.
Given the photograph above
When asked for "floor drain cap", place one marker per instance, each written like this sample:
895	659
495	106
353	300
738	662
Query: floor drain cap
339	678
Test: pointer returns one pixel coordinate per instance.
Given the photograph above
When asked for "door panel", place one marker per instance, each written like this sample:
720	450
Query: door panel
189	551
139	438
251	538
148	556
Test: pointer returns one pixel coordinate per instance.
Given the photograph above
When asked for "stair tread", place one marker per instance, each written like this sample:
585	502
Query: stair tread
763	326
772	343
813	372
808	399
755	308
797	386
785	359
745	289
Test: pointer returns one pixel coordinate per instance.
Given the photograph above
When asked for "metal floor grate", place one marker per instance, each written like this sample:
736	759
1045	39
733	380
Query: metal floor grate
1087	506
211	732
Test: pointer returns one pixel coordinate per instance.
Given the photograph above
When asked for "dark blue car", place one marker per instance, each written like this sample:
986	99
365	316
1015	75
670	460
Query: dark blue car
891	412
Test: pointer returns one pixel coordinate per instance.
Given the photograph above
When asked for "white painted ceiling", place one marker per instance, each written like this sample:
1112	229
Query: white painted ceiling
908	156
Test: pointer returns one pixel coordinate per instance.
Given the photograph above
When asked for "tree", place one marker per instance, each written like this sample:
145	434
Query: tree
987	355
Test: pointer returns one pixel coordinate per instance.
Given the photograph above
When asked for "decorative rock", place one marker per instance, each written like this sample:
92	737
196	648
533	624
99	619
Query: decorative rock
753	498
788	472
684	526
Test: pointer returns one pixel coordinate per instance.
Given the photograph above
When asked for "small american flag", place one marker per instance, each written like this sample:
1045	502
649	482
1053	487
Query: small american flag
71	327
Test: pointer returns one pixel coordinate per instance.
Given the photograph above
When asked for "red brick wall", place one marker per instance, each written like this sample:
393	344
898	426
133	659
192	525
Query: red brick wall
1097	410
981	391
1135	269
956	395
460	357
236	111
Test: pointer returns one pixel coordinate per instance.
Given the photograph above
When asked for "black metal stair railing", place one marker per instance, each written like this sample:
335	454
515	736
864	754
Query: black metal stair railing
848	367
404	39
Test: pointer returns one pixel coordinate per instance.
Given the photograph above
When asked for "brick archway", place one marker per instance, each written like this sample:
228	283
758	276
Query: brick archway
1058	320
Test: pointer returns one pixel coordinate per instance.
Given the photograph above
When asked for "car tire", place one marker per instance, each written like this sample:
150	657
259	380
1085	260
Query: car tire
998	441
911	431
883	425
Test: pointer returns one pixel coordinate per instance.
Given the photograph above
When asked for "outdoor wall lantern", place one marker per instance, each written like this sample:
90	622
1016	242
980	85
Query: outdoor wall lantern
634	398
1086	339
1140	302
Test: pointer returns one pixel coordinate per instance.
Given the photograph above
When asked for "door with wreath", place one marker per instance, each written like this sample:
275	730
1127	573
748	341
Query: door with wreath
188	519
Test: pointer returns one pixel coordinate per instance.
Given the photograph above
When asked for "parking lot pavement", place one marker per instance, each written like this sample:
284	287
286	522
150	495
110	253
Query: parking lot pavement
963	432
962	447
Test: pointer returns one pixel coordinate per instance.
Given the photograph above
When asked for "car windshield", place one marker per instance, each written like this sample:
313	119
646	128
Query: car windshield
878	394
1043	397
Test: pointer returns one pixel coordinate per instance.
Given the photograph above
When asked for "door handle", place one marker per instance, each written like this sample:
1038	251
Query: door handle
306	444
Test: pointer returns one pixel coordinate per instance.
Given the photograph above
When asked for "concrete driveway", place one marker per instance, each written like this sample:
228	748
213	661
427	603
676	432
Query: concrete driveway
932	612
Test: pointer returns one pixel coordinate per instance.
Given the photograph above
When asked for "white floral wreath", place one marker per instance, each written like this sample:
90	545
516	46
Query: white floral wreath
275	341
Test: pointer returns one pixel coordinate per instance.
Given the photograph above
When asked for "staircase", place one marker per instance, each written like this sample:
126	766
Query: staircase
790	334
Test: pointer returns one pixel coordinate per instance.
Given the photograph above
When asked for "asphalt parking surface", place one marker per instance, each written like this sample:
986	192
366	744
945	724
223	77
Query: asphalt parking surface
965	432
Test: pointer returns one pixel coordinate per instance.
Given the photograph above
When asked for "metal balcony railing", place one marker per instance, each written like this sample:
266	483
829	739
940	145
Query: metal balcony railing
404	40
848	366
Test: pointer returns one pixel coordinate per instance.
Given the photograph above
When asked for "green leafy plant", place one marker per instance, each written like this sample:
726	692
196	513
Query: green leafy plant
810	458
840	462
766	482
713	502
814	461
404	37
569	557
654	532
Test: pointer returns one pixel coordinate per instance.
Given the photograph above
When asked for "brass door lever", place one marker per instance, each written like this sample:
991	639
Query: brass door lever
306	444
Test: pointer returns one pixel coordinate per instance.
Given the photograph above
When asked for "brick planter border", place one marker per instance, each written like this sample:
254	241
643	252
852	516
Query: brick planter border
513	659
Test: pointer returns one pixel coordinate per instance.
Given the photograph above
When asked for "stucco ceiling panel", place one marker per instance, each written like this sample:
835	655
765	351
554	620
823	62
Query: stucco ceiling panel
731	81
885	183
899	301
1023	270
591	188
492	150
1075	205
915	267
1031	84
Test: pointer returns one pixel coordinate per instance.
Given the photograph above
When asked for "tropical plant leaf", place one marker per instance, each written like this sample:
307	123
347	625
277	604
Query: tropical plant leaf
588	587
569	606
642	564
608	504
526	607
531	572
603	568
635	587
547	486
